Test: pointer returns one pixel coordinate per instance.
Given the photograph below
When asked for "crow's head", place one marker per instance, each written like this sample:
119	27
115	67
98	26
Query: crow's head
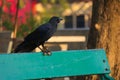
55	19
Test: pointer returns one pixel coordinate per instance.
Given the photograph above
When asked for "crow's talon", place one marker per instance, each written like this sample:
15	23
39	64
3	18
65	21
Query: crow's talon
46	53
49	53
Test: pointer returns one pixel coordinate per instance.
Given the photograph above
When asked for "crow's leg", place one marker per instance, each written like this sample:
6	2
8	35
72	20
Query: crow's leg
44	50
40	48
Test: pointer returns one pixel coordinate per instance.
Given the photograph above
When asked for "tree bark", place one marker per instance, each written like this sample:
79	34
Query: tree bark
105	32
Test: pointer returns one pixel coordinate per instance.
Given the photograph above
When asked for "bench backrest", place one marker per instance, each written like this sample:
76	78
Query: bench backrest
59	64
5	41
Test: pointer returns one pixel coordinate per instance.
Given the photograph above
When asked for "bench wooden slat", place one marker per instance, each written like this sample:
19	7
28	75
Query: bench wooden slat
59	64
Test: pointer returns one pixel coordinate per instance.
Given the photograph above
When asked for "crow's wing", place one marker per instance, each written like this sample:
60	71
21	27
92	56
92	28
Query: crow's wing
34	39
39	35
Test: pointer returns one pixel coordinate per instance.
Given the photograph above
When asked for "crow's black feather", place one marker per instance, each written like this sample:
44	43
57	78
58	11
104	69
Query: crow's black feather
39	36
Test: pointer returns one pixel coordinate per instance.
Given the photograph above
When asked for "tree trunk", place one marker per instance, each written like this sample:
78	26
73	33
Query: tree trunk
105	32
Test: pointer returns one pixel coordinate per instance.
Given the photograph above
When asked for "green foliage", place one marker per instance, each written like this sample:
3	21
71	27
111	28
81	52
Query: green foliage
44	20
64	3
26	28
8	25
44	1
23	30
31	22
29	26
21	4
57	7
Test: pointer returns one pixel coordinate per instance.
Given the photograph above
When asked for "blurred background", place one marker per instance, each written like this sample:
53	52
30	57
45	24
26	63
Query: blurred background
20	17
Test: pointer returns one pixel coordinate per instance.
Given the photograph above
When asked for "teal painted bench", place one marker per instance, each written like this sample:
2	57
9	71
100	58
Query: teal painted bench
59	64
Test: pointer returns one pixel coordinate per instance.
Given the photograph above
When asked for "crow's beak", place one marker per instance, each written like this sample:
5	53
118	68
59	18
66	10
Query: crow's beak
59	20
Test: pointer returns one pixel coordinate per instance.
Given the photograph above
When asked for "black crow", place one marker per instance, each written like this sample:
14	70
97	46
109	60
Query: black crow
39	37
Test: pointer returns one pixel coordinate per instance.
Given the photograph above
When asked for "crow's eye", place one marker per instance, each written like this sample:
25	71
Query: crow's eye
58	20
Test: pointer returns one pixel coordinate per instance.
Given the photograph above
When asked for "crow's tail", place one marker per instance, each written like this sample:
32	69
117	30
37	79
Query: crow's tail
20	47
24	47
